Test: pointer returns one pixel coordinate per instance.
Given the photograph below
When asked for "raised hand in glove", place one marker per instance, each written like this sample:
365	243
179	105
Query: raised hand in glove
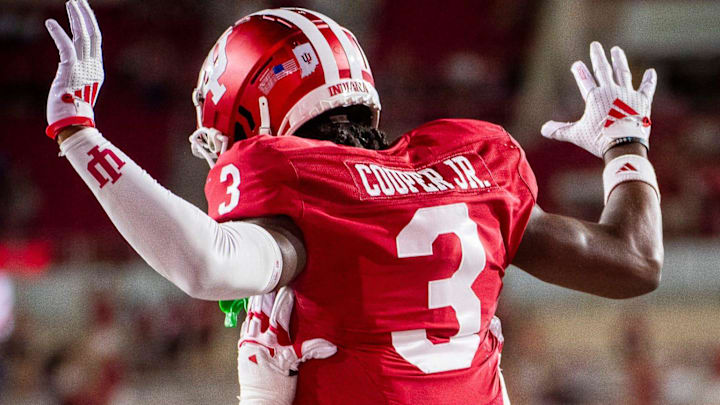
615	113
267	362
80	73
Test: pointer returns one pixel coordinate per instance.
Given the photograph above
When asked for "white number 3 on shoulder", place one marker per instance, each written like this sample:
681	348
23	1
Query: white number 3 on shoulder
230	171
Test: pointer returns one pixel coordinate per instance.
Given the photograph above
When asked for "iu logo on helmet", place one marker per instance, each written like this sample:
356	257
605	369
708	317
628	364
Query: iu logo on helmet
305	54
104	158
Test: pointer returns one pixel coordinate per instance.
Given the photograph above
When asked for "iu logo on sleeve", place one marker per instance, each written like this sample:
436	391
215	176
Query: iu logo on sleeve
104	158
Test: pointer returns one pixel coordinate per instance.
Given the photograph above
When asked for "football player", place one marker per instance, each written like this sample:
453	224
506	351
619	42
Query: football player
395	252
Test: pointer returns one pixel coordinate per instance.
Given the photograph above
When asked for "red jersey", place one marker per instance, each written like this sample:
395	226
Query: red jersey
406	250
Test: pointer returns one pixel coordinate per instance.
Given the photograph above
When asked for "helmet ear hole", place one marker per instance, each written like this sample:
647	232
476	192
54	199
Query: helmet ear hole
239	134
248	116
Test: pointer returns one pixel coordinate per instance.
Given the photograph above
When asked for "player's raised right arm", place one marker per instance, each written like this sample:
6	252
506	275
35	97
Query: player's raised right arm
621	255
205	259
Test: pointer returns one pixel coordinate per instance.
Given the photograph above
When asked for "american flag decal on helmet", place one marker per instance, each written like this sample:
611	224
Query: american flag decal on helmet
285	69
277	72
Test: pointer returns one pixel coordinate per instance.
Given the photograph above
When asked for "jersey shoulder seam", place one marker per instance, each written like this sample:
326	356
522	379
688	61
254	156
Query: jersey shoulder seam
517	167
295	175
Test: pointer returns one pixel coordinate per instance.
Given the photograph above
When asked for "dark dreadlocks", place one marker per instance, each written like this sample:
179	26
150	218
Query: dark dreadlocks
345	126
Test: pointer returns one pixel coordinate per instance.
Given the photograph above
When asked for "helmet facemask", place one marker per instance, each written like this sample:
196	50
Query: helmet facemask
206	143
209	144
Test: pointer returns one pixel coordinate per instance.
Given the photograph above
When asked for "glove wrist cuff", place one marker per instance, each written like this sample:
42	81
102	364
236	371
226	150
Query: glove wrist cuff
626	130
56	127
628	168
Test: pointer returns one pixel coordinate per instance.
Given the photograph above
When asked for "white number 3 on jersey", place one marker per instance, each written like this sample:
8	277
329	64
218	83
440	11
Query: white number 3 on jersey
415	240
233	172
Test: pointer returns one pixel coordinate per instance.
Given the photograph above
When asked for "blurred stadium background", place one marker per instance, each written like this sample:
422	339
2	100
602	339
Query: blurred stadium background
84	321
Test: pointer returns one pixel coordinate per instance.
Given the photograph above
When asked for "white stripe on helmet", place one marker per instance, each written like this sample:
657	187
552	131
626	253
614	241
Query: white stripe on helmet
317	40
353	56
362	53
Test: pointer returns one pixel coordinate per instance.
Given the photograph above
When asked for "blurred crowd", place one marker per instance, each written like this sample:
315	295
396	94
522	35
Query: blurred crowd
165	354
178	352
629	367
132	353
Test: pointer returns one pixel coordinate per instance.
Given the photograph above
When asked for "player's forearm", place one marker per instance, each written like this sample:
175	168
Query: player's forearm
618	257
590	257
633	218
205	259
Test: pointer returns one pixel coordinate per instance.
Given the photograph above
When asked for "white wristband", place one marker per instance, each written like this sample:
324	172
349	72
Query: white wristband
628	168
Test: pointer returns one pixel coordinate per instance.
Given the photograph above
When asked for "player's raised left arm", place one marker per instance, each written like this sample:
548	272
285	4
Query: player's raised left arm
202	257
621	255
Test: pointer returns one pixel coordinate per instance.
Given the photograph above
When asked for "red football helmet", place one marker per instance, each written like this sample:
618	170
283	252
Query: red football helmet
273	71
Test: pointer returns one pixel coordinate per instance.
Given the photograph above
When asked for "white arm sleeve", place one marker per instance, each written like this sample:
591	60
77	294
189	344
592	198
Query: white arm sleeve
205	259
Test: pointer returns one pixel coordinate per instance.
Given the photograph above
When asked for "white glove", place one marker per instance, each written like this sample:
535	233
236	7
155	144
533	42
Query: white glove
80	72
267	368
614	112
